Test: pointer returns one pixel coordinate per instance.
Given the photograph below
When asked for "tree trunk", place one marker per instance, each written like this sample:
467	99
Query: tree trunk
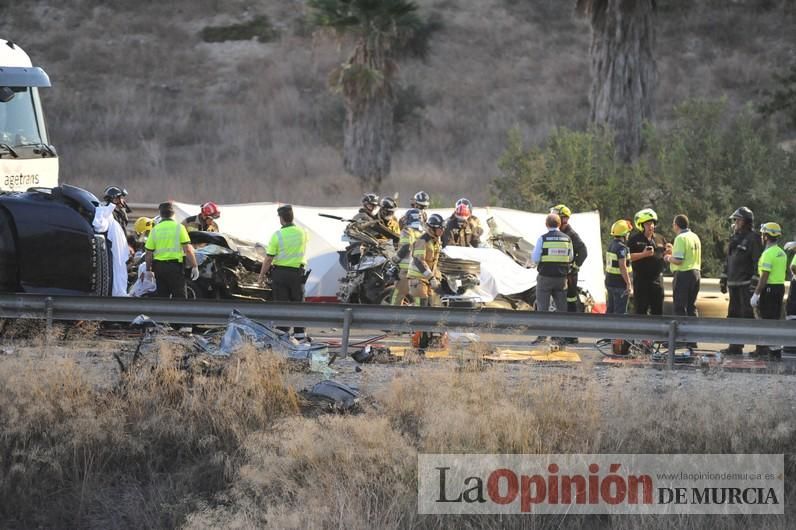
368	136
623	69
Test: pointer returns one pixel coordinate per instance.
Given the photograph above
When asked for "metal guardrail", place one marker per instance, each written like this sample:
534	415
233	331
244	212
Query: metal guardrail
404	318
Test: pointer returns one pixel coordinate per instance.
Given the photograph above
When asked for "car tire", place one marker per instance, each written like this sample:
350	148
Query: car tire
102	266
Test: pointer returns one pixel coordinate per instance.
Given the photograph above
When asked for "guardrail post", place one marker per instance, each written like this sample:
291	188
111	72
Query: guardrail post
672	342
48	327
348	316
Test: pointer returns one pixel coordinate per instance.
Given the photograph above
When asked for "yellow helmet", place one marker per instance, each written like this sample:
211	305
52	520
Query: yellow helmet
771	229
642	216
621	228
143	225
561	210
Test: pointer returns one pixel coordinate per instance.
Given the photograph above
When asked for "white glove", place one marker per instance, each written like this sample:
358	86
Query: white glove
434	283
194	274
755	300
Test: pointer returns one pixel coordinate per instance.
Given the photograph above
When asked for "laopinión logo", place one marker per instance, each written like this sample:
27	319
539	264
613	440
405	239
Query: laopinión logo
594	484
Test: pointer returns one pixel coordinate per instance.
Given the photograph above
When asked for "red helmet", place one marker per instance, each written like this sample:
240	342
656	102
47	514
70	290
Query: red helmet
462	211
210	209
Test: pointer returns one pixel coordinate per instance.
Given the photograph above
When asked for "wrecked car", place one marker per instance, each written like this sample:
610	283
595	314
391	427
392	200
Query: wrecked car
48	246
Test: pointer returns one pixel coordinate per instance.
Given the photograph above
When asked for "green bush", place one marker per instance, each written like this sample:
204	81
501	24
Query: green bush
705	165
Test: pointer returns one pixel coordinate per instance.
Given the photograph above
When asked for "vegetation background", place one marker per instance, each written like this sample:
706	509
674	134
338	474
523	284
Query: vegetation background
228	101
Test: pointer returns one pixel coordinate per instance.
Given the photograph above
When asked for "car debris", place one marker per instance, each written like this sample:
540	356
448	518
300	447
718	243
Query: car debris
332	396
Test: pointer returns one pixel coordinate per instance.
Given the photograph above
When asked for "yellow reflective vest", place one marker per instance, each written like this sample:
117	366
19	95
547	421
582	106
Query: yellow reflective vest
288	246
166	240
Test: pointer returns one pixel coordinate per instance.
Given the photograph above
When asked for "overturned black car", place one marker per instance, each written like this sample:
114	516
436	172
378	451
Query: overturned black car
47	243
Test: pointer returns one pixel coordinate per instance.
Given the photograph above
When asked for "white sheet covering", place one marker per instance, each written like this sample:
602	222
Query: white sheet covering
120	251
499	274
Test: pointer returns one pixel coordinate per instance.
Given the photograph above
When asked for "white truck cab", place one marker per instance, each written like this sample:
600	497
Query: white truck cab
27	160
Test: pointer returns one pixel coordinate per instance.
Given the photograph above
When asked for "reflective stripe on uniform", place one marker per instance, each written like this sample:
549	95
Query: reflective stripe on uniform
291	245
556	251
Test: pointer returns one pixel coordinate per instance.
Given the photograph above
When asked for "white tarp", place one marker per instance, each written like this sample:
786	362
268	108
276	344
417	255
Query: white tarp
256	222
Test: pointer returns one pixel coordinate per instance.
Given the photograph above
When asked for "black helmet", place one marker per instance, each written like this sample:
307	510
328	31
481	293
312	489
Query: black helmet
421	200
743	213
414	218
112	192
435	221
388	203
371	199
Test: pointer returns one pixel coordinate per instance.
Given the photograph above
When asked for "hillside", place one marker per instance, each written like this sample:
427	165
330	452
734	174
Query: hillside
141	100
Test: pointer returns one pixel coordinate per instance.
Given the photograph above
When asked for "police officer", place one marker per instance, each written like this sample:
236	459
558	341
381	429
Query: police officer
580	254
167	247
403	258
553	255
118	196
740	269
285	261
205	220
770	289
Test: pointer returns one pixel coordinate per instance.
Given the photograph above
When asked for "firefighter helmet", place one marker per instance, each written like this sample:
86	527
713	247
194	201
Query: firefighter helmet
621	228
421	200
462	212
113	192
210	209
414	218
642	216
143	225
435	221
387	206
743	213
370	199
562	210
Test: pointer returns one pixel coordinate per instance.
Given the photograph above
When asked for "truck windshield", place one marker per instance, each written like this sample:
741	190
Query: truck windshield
21	120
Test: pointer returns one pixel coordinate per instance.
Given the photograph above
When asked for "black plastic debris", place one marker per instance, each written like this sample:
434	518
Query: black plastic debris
334	397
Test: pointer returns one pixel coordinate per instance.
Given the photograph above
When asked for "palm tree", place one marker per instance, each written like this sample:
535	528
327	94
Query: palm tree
622	67
381	31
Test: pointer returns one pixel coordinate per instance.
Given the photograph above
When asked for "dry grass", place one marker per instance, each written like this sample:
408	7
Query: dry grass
360	472
139	100
137	456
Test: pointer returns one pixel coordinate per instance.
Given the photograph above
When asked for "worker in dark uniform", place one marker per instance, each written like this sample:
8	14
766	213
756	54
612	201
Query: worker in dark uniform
553	255
167	247
205	220
118	196
647	249
285	261
790	310
740	269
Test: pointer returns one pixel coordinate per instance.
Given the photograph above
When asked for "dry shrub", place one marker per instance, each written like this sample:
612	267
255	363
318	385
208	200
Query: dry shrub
138	456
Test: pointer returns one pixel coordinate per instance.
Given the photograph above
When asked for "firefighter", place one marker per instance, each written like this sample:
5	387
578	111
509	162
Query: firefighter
370	202
421	201
770	291
473	221
618	268
458	231
580	254
740	269
204	221
423	273
118	196
285	261
410	232
647	249
386	216
424	276
167	247
142	226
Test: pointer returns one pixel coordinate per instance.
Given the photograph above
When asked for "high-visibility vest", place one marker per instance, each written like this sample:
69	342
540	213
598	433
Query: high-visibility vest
288	246
774	261
688	248
612	258
166	240
408	237
556	254
425	250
